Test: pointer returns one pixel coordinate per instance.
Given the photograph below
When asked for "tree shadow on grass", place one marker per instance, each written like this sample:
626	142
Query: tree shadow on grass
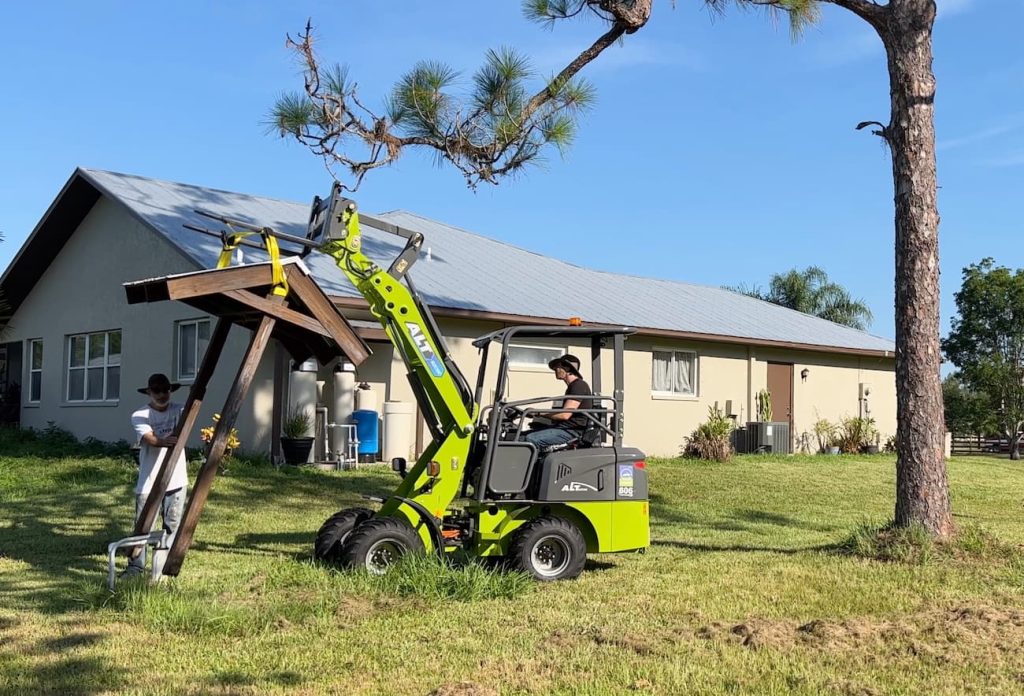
240	678
665	513
61	525
747	548
263	544
70	672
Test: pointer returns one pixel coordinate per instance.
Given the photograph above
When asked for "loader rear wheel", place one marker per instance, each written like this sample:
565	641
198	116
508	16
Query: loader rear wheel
548	548
379	543
335	531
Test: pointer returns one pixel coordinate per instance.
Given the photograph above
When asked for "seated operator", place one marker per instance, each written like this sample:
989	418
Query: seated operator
569	424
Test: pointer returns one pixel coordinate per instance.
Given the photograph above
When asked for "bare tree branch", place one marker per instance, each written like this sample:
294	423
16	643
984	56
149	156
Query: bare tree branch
500	134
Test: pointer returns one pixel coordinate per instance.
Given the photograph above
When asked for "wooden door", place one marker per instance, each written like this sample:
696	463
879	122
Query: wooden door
780	385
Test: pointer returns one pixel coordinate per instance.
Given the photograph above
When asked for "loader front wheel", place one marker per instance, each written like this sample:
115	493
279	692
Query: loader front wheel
548	548
379	543
335	531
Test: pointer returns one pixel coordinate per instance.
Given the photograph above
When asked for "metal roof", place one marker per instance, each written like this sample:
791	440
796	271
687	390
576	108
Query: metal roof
468	271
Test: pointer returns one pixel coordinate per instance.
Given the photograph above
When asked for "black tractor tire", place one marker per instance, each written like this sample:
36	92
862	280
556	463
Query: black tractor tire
334	532
380	542
548	548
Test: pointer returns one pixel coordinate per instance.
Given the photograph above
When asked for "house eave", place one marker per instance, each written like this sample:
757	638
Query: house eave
478	315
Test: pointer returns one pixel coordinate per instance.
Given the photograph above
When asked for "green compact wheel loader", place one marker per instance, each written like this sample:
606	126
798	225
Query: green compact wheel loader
479	486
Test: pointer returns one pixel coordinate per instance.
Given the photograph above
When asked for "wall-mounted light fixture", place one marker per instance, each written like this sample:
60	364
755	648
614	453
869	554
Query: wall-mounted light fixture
803	374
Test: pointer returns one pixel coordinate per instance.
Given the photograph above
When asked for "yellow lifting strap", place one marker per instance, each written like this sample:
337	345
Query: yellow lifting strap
230	243
280	281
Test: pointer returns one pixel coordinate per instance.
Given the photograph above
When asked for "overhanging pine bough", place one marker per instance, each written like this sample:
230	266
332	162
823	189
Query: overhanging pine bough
492	132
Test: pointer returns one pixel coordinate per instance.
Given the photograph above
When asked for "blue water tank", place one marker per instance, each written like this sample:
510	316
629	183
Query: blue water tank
366	430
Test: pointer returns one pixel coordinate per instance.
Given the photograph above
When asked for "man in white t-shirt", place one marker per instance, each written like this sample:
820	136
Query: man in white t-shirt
154	424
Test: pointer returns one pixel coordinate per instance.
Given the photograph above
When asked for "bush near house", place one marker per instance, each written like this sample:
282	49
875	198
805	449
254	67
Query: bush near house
711	438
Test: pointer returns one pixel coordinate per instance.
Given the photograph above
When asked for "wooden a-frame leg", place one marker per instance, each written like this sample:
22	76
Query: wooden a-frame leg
204	480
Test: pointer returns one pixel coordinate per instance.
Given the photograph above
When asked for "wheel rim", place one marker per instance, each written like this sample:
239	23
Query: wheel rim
550	556
383	554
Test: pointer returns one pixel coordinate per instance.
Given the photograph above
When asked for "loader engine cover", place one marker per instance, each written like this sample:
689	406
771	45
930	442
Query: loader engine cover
602	473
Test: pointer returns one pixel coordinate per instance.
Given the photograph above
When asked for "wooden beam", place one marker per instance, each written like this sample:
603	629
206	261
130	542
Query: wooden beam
250	299
183	429
327	314
219	280
228	416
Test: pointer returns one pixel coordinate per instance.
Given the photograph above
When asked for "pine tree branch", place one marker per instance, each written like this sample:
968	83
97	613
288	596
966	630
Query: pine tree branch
492	136
871	12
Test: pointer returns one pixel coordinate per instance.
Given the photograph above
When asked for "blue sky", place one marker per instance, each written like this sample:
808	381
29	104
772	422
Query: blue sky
719	151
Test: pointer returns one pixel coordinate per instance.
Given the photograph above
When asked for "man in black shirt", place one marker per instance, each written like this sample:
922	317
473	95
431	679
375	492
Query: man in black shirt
568	424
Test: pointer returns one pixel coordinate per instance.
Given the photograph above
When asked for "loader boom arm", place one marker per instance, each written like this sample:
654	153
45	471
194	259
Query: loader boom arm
444	398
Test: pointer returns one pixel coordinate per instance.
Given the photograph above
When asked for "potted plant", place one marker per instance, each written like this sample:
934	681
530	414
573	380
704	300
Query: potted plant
296	442
875	447
825	431
835	444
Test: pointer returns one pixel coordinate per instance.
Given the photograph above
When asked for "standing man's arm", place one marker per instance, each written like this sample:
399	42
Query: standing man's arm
145	432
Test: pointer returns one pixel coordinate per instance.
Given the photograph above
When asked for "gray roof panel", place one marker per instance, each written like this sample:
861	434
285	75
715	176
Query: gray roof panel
463	270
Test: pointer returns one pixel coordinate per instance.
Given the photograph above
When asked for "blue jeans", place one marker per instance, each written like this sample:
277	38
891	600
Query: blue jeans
550	436
171	510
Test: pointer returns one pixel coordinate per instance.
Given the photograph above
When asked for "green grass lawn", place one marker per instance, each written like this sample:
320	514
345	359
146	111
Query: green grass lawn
744	590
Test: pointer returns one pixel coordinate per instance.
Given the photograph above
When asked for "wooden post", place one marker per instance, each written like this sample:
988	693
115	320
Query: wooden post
183	429
277	415
228	415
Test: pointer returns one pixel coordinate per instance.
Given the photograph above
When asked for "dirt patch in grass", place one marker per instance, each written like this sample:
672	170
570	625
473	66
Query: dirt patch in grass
955	634
563	638
464	689
626	641
353	610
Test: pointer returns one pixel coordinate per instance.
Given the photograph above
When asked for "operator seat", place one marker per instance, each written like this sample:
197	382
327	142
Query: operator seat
590	437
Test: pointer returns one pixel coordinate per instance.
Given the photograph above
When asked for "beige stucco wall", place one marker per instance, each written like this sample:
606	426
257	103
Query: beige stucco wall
81	292
725	372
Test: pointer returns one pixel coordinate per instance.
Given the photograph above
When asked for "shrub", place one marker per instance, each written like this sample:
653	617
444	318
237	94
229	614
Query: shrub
825	431
711	439
54	442
855	433
890	444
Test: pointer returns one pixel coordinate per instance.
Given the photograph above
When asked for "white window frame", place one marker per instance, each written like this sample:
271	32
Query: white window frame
107	364
556	352
178	344
674	395
30	345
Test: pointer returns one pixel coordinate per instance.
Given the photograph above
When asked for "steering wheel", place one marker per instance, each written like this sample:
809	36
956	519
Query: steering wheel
512	413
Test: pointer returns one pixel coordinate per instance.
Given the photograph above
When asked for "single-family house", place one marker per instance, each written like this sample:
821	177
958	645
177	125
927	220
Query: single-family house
78	350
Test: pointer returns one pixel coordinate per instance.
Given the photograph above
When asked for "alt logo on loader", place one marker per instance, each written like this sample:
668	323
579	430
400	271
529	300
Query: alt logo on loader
577	487
429	358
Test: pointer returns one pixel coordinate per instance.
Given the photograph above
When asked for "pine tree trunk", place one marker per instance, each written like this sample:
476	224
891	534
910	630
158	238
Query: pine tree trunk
922	489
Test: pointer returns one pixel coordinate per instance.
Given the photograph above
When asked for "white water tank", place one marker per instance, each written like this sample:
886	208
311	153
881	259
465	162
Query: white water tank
302	392
366	398
344	405
398	434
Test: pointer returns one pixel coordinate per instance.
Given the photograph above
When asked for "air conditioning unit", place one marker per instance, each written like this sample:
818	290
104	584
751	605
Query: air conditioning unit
765	437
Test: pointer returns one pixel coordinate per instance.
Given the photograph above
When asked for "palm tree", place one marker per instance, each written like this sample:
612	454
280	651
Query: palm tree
811	292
